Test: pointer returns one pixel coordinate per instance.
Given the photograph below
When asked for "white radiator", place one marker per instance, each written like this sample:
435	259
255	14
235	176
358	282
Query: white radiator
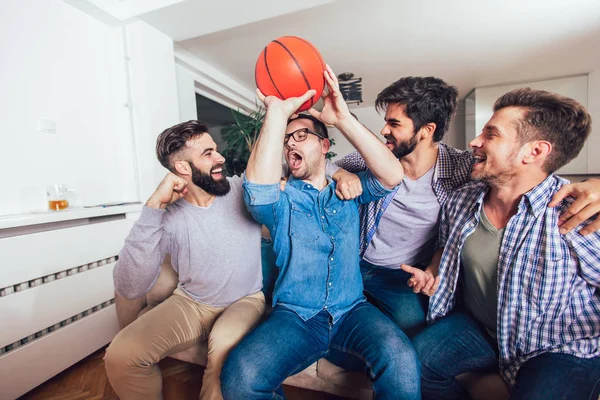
56	295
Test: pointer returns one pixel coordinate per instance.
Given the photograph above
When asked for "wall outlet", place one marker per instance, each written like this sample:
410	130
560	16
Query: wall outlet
46	126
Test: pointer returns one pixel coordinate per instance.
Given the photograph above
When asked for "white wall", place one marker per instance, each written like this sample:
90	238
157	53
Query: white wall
368	117
186	93
594	110
155	104
60	64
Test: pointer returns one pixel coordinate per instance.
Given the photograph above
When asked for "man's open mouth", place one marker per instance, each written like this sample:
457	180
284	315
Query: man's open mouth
217	172
479	158
295	159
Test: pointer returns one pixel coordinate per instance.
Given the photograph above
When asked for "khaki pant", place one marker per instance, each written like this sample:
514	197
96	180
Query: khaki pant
173	326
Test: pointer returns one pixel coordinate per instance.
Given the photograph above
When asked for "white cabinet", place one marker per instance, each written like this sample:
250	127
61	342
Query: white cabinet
56	290
479	104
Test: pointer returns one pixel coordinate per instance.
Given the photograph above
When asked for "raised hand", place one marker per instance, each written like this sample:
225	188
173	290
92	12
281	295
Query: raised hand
170	189
422	281
289	106
335	108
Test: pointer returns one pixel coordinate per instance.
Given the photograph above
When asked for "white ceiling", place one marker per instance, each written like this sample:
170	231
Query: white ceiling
468	43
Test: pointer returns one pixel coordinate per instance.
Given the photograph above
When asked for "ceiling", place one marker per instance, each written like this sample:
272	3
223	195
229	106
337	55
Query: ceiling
468	43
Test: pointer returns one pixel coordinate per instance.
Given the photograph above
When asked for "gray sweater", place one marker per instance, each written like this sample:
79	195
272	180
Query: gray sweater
215	250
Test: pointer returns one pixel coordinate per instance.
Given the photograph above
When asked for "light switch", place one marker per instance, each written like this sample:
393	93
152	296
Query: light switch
46	126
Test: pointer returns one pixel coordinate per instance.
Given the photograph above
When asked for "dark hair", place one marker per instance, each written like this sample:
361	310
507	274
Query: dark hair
560	120
320	127
426	100
173	140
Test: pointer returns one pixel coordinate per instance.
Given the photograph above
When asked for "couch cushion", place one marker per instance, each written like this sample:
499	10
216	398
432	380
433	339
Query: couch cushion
339	376
484	386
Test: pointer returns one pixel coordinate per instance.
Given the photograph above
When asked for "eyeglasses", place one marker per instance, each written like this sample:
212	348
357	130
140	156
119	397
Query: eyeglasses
300	135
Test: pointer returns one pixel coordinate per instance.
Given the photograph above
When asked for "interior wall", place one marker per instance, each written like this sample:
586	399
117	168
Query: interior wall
155	103
61	65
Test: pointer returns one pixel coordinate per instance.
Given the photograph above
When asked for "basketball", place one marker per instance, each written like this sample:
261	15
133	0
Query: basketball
288	67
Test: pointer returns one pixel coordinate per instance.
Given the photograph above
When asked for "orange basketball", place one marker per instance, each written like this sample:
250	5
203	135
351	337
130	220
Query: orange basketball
288	67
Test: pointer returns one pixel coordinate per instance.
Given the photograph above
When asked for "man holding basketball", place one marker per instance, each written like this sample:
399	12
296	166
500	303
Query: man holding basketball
319	306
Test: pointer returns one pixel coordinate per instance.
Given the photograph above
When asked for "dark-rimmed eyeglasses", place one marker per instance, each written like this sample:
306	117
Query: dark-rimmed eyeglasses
300	135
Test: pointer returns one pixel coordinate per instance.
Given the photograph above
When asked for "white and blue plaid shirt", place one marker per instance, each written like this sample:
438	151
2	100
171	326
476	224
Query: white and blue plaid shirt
548	297
453	169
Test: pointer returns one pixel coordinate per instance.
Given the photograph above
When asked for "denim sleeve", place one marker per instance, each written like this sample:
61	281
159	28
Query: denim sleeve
262	201
372	188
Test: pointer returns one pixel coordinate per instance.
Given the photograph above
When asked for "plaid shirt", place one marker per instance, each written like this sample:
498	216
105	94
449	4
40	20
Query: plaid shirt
453	169
548	298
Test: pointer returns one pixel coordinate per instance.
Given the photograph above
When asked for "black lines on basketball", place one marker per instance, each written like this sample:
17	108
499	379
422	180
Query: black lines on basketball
312	102
269	73
312	47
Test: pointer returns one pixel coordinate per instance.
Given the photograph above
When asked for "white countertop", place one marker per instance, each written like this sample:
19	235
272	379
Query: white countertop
17	220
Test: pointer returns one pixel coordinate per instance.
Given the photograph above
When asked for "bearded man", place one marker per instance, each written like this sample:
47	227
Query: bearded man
197	216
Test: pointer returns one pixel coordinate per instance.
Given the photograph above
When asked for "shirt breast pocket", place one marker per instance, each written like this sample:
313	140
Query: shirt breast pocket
341	215
547	279
303	225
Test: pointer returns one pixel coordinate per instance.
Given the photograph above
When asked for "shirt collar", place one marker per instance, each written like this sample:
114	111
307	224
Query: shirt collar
301	185
443	165
535	201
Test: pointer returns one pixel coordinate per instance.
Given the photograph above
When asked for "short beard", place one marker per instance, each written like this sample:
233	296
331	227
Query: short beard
208	184
404	149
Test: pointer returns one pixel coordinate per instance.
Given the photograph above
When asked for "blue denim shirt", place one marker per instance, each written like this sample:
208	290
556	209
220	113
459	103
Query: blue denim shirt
316	240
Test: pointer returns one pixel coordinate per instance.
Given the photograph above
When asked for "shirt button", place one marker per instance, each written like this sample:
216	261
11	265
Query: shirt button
331	258
322	217
334	211
329	283
325	307
332	238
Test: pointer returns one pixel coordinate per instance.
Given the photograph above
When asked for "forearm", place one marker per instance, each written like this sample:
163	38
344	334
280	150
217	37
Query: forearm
434	265
264	165
378	158
140	259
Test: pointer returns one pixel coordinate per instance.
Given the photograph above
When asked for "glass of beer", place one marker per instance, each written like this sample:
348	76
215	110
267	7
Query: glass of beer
58	196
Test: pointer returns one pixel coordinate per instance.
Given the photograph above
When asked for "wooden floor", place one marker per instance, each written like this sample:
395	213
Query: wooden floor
181	381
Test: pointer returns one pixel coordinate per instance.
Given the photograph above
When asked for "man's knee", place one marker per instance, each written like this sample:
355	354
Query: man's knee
239	377
125	351
402	355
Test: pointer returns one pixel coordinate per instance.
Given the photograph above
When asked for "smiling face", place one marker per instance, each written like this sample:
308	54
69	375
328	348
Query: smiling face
305	158
498	150
207	165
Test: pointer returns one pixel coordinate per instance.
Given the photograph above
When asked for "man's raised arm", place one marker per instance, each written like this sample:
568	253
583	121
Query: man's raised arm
378	158
264	165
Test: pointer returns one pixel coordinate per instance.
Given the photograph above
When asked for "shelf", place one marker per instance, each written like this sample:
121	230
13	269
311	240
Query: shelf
18	220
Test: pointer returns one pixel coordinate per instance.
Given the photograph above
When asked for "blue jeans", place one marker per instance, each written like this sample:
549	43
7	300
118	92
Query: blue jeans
284	344
457	344
388	290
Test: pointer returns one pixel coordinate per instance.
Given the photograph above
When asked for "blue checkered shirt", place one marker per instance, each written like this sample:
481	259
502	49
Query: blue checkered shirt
453	169
548	298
